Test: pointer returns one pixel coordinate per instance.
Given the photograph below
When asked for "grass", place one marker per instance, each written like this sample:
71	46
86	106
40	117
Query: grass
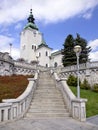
92	103
12	86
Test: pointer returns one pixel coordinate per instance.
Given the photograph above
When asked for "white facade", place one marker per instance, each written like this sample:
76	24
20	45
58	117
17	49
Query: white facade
56	59
30	39
34	48
44	54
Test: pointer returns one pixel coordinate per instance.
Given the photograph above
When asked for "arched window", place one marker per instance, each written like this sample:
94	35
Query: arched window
35	47
46	65
34	33
55	64
32	47
46	53
39	54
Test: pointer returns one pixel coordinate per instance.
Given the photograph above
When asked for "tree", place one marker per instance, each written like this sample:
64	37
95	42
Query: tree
69	56
84	56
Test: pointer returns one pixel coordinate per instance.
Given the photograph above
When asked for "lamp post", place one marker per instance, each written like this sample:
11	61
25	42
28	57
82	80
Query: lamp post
77	50
10	48
37	61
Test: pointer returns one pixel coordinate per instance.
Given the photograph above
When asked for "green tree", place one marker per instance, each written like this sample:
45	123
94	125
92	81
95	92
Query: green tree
84	56
85	85
69	57
72	80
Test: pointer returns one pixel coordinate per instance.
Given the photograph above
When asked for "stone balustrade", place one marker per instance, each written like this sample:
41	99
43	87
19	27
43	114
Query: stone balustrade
75	106
24	65
88	71
12	109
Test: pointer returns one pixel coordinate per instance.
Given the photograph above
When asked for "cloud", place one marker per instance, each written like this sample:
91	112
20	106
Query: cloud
48	11
18	26
93	56
5	46
93	44
94	53
5	40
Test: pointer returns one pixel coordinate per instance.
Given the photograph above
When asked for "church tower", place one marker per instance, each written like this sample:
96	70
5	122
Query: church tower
30	39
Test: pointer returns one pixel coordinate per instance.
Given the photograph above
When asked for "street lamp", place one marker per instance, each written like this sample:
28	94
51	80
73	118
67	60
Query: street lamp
77	50
37	61
10	48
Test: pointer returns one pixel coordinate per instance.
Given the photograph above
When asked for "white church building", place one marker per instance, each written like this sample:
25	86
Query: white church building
33	47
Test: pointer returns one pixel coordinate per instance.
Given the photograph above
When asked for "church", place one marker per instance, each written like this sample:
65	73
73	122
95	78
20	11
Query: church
33	48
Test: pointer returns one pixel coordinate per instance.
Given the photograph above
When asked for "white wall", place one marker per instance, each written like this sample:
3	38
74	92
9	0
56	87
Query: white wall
42	58
28	38
56	59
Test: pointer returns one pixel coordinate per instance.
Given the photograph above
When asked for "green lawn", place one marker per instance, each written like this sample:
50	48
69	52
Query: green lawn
92	103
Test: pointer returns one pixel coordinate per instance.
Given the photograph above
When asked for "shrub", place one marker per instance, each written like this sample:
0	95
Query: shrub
85	85
72	80
95	87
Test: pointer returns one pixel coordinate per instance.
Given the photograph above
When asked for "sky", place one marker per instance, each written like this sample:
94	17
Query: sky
56	19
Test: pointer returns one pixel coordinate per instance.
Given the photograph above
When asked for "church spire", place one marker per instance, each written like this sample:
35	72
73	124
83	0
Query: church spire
31	18
31	23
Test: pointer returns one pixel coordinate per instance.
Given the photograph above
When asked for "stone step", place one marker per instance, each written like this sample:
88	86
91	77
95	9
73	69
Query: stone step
43	115
47	110
47	103
48	100
47	97
47	91
48	107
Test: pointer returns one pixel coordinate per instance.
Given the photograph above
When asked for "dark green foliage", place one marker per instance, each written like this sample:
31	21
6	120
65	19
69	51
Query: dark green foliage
69	56
85	50
95	88
72	80
85	85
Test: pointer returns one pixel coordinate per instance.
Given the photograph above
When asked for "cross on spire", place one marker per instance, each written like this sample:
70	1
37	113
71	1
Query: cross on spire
31	18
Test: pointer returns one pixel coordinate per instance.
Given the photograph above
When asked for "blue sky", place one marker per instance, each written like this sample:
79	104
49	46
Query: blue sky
56	19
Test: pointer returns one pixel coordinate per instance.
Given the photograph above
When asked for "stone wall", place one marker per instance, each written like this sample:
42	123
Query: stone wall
12	109
9	67
88	70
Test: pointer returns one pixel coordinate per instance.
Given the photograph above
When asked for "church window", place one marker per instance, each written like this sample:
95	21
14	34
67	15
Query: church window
46	65
35	47
55	64
46	53
32	47
34	34
39	54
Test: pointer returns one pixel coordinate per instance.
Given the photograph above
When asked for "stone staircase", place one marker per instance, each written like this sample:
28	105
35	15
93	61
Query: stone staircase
47	100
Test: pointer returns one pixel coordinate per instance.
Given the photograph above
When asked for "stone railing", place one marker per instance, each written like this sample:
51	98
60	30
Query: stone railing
24	65
75	106
12	109
88	71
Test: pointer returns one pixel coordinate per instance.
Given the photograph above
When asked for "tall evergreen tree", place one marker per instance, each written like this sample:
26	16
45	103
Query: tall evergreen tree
69	57
84	56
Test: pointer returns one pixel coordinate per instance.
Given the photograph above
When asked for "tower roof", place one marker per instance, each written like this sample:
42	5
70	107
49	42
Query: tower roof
31	22
43	44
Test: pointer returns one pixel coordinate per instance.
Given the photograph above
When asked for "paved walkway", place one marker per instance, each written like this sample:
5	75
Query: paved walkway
48	124
93	119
